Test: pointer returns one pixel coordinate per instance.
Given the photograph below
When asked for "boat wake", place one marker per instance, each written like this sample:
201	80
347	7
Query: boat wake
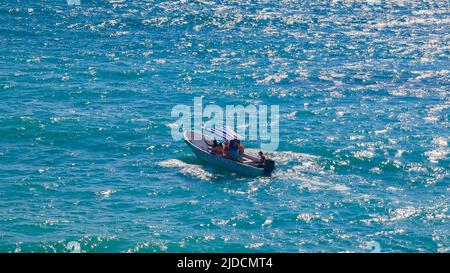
303	169
306	170
192	170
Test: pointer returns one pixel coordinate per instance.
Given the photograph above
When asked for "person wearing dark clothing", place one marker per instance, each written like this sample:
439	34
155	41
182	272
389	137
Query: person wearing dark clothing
262	159
234	149
218	150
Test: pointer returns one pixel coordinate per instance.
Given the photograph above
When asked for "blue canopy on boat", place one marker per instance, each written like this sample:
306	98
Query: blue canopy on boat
225	132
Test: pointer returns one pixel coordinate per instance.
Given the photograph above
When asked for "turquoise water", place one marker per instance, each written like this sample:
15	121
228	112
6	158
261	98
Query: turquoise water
85	148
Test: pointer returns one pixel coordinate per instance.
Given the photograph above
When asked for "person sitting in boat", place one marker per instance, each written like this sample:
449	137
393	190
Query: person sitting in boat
213	146
234	149
218	150
226	148
262	159
241	151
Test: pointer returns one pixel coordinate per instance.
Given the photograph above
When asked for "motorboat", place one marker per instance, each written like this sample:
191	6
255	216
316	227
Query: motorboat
249	165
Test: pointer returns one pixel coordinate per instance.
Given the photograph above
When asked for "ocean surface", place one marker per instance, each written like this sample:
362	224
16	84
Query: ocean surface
87	159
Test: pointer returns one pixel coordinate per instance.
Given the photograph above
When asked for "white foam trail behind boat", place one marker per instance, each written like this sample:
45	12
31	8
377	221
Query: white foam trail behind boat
187	169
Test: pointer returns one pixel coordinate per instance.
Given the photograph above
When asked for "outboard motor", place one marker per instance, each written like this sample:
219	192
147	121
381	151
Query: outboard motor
269	166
